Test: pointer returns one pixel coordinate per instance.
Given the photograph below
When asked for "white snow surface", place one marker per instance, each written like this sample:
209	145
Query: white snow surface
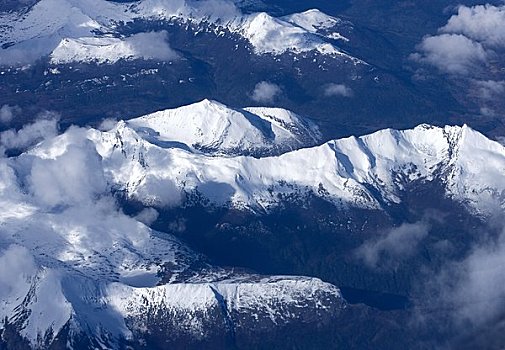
276	36
70	257
110	50
363	172
212	127
268	296
66	247
90	30
315	21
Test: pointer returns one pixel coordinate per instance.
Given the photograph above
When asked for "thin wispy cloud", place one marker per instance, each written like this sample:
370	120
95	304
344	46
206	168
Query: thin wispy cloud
390	248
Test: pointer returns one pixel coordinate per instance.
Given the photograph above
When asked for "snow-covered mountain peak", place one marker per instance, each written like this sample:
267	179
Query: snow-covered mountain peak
367	172
90	30
317	22
76	262
212	127
313	20
273	35
78	246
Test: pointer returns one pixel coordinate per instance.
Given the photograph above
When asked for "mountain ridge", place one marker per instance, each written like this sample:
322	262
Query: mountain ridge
90	31
342	171
213	128
92	256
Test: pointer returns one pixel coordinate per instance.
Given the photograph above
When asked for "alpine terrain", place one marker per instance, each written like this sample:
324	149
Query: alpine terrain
247	174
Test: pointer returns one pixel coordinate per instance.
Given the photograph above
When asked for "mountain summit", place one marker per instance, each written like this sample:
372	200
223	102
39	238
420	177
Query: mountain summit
213	128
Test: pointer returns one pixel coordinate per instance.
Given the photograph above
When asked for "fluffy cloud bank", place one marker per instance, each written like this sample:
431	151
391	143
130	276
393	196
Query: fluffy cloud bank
75	177
451	53
44	127
56	196
469	39
482	23
470	49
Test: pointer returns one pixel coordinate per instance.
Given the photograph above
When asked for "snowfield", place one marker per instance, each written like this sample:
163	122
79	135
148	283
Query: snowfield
211	127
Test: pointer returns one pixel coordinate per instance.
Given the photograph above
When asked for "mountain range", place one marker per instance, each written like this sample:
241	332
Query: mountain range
248	174
111	281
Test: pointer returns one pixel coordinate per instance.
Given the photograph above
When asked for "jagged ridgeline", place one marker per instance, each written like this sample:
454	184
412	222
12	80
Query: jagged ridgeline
134	217
86	269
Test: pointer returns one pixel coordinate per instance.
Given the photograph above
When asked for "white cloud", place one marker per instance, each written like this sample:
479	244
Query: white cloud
216	9
338	90
177	226
159	192
482	23
393	246
487	111
481	291
451	53
16	269
107	124
46	126
74	177
75	210
147	216
469	39
473	289
265	92
28	51
7	113
150	45
489	89
55	203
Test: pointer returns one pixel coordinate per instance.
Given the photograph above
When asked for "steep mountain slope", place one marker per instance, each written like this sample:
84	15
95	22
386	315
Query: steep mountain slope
214	128
366	172
74	266
111	280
